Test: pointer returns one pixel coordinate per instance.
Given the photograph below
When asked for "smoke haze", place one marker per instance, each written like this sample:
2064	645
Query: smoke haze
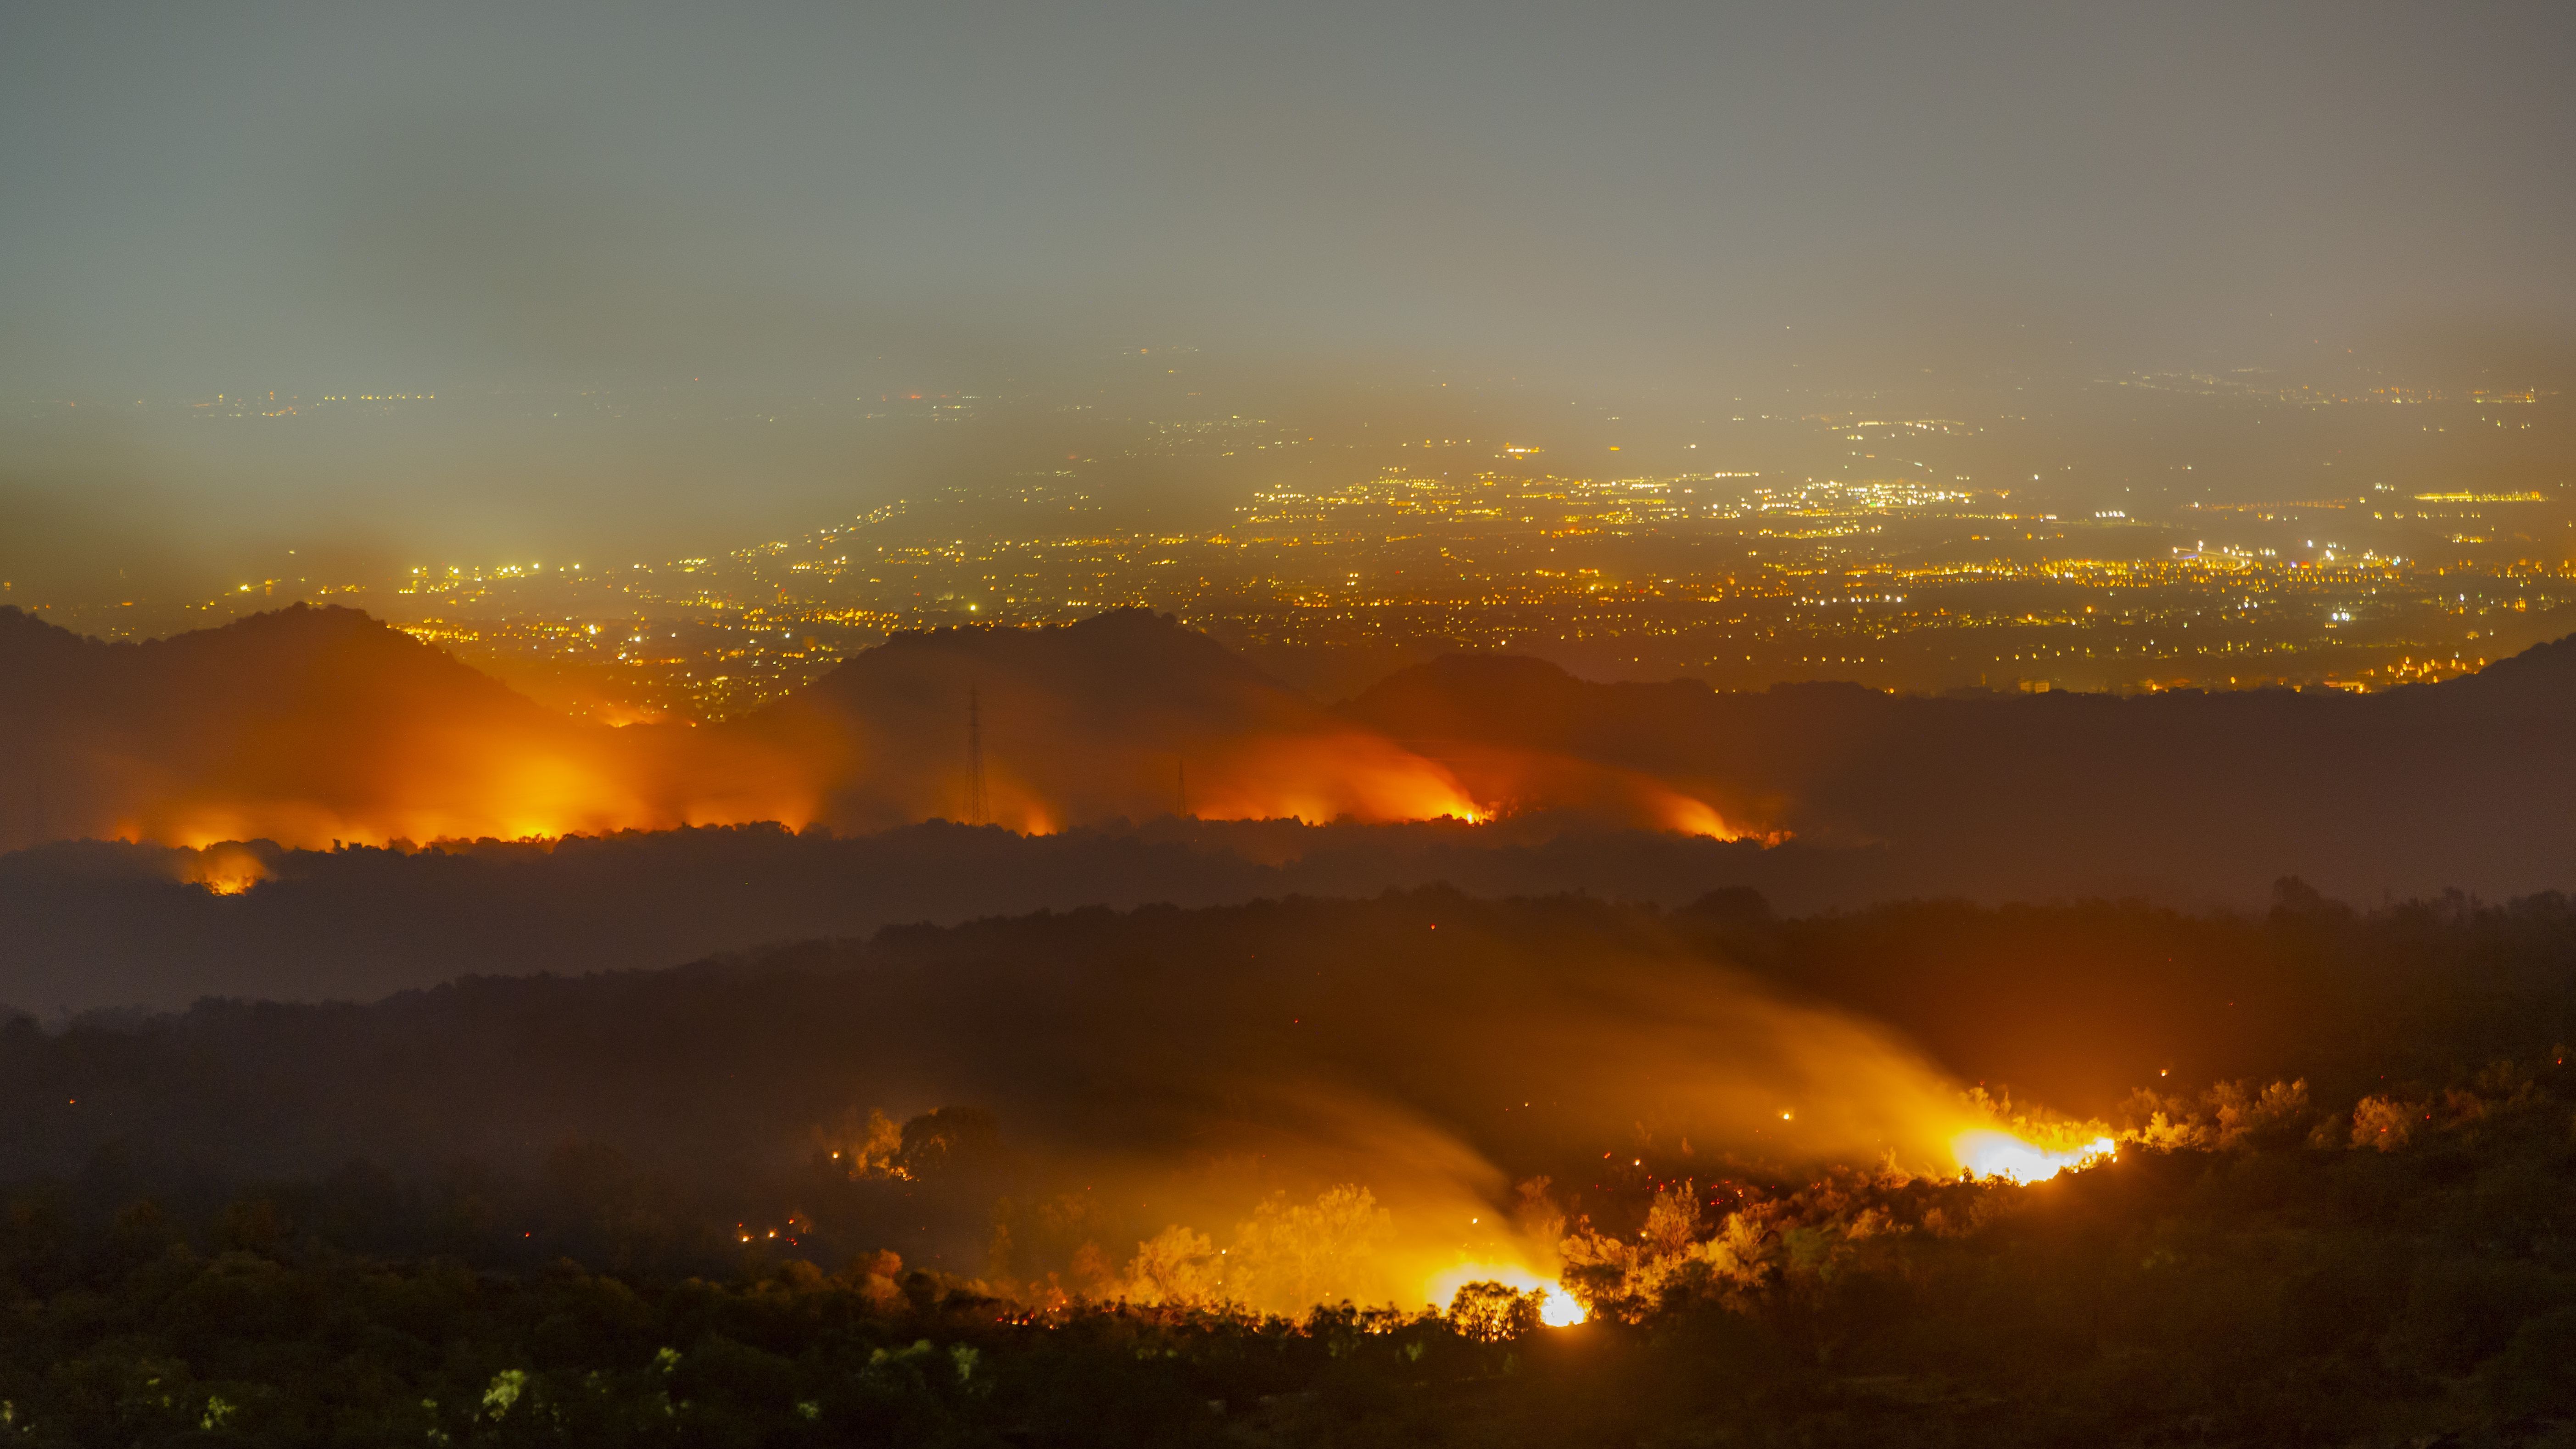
633	251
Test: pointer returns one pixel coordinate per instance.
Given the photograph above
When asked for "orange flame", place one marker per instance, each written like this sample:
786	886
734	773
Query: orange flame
1320	778
1557	1308
224	870
1993	1152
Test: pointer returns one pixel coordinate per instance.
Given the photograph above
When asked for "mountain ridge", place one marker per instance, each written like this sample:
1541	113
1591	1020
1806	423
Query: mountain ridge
326	724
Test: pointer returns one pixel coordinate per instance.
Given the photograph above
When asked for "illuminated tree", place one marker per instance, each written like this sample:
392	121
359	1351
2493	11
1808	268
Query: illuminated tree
1292	1256
1491	1312
1176	1268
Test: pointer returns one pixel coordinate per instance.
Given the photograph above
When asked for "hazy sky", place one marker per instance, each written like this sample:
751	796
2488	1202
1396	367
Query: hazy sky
202	198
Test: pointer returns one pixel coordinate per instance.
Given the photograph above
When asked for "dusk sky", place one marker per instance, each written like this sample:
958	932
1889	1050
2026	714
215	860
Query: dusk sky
1592	202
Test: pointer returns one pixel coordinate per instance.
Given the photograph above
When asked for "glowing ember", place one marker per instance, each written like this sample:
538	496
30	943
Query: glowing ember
2001	1154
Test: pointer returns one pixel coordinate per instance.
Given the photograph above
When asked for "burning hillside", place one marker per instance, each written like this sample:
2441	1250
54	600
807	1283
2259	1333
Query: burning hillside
1124	716
310	726
1270	1106
1500	1171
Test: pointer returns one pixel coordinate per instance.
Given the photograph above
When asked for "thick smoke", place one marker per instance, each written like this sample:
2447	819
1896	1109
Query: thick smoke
309	727
1361	1097
1231	1075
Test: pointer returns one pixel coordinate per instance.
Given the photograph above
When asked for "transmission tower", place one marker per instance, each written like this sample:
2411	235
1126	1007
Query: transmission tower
974	756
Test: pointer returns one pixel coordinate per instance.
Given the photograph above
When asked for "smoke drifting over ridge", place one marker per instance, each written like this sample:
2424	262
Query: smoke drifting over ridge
1434	1059
1097	1079
309	727
314	726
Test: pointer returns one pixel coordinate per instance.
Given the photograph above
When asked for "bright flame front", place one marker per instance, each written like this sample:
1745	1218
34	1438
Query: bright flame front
2001	1154
1556	1307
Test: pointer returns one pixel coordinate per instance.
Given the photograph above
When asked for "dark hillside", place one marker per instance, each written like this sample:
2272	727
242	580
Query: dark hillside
2469	783
1124	715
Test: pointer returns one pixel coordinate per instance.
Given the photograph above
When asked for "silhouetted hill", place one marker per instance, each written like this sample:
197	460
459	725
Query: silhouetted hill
774	1200
310	725
2541	678
282	723
315	724
1100	1028
1124	715
2471	782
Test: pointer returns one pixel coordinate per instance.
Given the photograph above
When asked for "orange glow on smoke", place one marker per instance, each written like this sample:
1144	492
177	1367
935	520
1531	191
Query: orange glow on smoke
225	870
1508	780
449	779
1318	778
1015	804
1026	815
365	744
553	795
1686	816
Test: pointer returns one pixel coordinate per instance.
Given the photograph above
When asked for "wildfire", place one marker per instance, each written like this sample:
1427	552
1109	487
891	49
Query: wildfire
1556	1307
1499	780
1990	1152
1318	778
226	870
1681	813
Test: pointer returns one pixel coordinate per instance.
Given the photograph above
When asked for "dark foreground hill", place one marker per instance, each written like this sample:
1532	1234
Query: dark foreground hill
652	1208
1153	1029
98	924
